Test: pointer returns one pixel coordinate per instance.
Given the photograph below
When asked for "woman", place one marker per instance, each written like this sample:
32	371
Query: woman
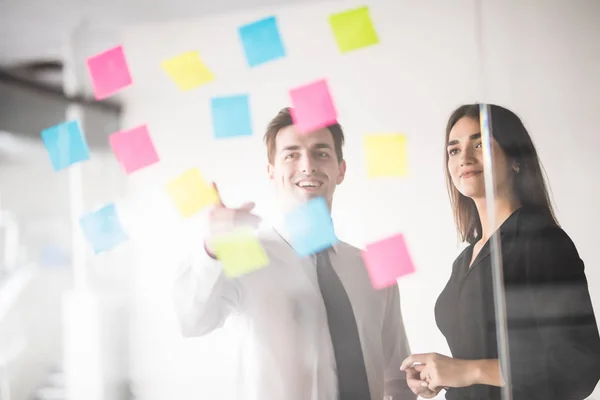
554	346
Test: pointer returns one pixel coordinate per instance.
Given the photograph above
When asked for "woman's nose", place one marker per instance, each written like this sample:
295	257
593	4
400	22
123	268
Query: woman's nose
466	157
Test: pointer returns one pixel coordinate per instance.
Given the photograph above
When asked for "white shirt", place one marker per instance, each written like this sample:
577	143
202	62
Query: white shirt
287	352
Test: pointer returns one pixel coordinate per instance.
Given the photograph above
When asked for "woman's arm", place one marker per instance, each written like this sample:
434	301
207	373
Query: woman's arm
440	371
562	320
486	372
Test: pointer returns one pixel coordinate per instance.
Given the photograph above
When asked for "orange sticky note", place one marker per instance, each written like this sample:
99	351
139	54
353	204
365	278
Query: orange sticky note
385	155
187	70
191	193
240	252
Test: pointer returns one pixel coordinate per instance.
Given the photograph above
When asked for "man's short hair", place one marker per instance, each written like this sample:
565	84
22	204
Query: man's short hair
284	119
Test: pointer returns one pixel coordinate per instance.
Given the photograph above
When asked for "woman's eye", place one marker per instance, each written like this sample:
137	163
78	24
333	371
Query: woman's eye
452	151
478	145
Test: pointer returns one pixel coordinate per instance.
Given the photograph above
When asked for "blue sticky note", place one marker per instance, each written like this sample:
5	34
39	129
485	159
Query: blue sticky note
103	228
66	144
231	116
311	227
261	41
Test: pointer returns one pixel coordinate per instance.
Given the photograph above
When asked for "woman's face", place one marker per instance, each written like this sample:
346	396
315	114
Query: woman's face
465	161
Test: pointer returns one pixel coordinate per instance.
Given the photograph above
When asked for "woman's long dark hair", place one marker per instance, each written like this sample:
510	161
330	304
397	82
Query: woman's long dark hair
529	185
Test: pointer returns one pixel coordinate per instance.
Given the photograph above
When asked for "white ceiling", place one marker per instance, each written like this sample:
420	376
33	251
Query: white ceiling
38	30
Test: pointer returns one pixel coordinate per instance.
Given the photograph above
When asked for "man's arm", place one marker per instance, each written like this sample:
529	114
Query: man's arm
395	348
203	296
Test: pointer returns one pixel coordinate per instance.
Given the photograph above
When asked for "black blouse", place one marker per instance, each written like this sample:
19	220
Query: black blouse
554	345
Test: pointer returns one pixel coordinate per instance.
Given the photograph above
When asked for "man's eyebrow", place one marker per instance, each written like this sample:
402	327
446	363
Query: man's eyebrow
315	146
289	148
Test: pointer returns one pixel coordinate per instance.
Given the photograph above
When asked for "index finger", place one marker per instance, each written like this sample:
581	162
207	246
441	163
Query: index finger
413	358
216	189
413	373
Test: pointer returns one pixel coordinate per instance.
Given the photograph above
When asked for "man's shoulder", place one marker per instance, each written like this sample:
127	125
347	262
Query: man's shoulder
269	233
347	248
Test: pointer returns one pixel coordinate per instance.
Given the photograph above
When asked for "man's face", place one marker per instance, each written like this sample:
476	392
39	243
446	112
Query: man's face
305	166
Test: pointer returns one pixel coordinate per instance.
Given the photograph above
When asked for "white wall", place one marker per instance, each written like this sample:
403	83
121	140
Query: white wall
541	60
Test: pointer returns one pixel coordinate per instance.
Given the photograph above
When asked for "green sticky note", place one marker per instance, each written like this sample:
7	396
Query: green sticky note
353	29
240	252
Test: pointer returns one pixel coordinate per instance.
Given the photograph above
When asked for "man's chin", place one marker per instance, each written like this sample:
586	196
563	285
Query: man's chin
307	196
301	198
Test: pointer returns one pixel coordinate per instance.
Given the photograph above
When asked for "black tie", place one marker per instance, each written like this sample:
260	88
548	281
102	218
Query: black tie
352	375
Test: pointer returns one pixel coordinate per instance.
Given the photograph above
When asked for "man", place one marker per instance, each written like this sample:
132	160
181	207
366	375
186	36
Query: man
317	330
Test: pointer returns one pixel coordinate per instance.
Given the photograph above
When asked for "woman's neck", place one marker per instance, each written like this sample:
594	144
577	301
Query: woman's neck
503	208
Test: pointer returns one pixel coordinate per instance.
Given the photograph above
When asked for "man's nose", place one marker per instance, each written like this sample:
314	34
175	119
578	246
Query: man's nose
307	165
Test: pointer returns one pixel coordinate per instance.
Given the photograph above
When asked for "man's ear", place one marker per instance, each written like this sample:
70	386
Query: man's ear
270	172
342	173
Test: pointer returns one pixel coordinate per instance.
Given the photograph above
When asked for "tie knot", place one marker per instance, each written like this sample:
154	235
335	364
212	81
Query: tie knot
322	257
324	252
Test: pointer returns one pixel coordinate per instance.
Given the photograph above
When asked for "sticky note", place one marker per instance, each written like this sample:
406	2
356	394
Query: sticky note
313	107
353	29
385	155
231	116
190	193
310	227
103	228
109	72
187	70
66	144
387	260
240	252
262	42
133	148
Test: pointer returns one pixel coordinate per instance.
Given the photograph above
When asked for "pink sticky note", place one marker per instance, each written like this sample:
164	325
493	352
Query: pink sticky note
109	72
387	260
313	107
133	148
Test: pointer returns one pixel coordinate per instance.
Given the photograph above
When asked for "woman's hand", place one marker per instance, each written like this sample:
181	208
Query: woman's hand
439	371
418	386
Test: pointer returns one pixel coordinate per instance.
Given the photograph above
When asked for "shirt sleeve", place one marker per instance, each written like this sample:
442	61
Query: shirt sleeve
395	348
562	319
203	296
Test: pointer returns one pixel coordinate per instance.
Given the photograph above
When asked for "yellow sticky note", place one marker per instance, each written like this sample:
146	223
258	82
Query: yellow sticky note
385	155
190	193
240	252
187	70
353	29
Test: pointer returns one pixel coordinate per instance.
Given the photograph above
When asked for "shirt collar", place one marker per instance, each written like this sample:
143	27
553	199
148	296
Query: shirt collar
280	228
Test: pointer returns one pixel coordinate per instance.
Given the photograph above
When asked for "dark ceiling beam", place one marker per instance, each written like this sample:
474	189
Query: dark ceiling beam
52	90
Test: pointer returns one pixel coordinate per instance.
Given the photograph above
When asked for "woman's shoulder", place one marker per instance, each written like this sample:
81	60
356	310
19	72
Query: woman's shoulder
534	223
548	246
